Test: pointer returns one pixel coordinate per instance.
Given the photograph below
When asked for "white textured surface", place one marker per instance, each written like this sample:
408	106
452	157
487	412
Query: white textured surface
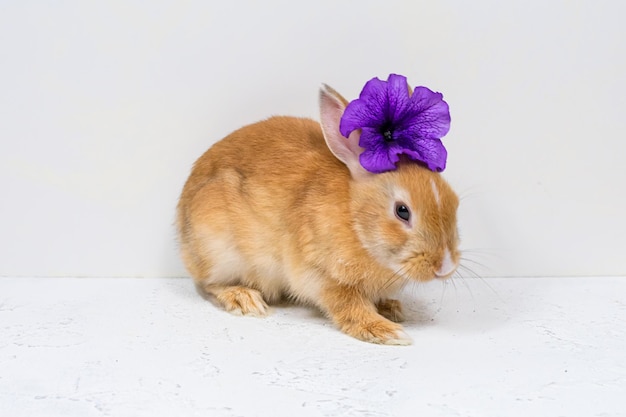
153	347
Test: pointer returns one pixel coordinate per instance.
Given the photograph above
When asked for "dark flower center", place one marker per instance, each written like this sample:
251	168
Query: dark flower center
387	132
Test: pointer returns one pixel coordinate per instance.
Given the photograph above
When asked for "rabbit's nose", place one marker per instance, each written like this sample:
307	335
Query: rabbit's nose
448	266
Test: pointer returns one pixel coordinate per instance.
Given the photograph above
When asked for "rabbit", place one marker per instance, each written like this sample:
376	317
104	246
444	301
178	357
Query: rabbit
282	208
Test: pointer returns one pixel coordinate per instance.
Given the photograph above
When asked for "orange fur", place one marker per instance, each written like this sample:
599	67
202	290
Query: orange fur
270	211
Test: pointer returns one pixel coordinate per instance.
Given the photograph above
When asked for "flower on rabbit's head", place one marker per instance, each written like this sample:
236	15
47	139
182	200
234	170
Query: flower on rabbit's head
394	122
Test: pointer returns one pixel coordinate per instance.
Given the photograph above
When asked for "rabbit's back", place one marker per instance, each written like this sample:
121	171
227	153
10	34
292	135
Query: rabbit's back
250	201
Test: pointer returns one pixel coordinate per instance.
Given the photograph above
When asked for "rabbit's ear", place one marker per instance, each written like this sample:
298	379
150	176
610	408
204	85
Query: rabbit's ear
347	150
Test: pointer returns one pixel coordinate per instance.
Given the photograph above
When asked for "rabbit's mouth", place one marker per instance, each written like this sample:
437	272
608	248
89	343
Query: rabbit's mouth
448	266
425	266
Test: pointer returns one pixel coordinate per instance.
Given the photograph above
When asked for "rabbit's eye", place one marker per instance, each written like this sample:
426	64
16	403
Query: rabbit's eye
403	212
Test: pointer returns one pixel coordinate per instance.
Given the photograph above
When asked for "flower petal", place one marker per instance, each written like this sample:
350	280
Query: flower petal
370	138
430	152
354	117
369	110
377	156
430	114
398	98
377	162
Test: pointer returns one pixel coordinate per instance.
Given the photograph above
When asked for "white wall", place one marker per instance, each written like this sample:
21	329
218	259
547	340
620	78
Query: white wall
104	106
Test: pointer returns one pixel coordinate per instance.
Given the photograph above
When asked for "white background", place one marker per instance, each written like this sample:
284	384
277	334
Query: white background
105	106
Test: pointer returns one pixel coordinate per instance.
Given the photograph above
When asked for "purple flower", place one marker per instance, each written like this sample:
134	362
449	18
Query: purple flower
394	123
